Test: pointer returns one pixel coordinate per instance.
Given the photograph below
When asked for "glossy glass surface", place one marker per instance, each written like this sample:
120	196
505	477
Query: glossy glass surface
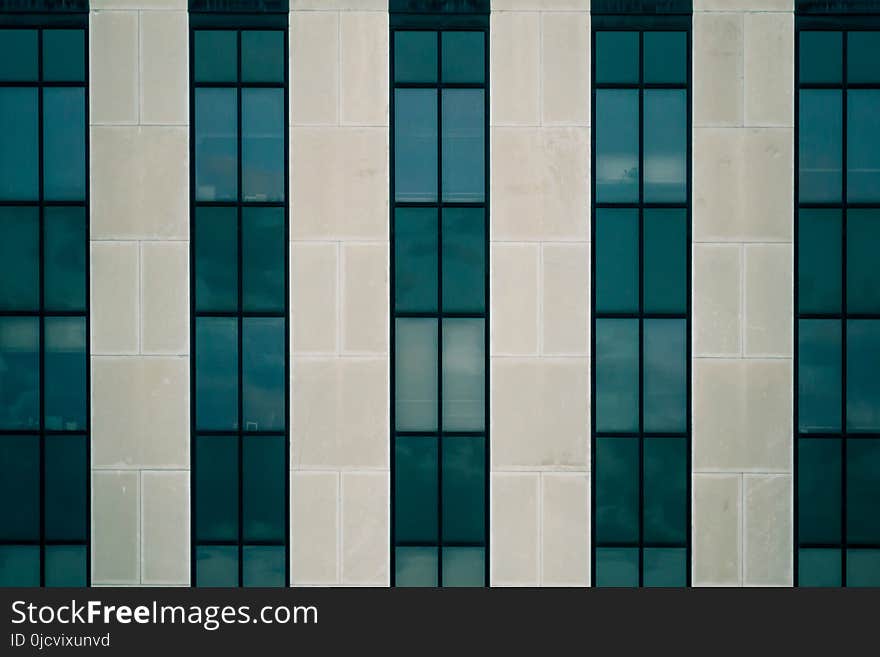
819	567
821	57
617	57
862	382
415	258
216	252
19	175
863	145
617	260
64	151
819	260
19	258
819	375
415	489
64	55
617	375
464	480
64	266
20	481
665	55
19	565
665	143
415	376
863	53
665	375
263	565
617	567
66	565
821	147
216	354
665	269
617	490
862	270
262	144
617	145
463	56
863	568
665	567
819	490
216	150
264	471
262	364
216	488
415	56
262	56
415	566
64	399
665	490
216	56
415	144
263	247
18	55
20	368
66	486
464	260
463	145
217	565
862	491
464	377
464	566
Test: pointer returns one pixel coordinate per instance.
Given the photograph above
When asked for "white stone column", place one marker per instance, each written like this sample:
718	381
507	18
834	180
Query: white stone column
743	144
339	260
540	292
139	168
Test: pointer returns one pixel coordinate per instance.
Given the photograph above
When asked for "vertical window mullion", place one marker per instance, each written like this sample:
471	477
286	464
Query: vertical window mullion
844	173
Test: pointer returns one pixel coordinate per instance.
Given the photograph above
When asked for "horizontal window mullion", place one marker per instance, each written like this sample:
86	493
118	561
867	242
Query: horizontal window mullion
41	84
243	204
636	544
439	204
238	85
43	313
641	206
439	85
636	315
441	434
644	85
245	314
37	542
441	544
439	315
645	434
209	543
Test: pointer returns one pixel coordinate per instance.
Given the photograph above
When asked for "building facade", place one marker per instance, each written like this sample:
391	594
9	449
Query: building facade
439	292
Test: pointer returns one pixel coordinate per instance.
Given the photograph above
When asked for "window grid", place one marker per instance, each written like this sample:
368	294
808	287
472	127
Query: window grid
837	25
639	25
440	204
239	314
42	24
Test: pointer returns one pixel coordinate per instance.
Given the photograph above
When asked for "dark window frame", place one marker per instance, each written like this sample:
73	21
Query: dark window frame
40	23
642	24
439	23
815	20
238	23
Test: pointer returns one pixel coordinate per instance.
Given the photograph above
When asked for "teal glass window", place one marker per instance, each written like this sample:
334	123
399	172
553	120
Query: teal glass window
239	291
44	343
439	305
641	289
837	297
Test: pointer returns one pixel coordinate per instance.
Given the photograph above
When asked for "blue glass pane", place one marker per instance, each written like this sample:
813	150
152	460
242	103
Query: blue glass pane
617	567
415	259
19	258
862	272
821	57
65	371
464	485
464	566
66	565
617	57
863	568
19	565
463	145
216	153
863	145
415	374
18	55
666	57
262	144
819	375
819	567
617	490
665	567
64	55
262	56
415	144
216	56
463	56
216	256
264	473
64	144
19	177
64	267
617	145
819	261
263	247
666	250
216	353
19	373
415	566
617	375
464	260
821	147
862	490
262	363
862	55
415	489
216	488
263	565
665	490
665	375
464	380
415	56
819	490
617	260
20	481
862	381
665	126
217	565
66	488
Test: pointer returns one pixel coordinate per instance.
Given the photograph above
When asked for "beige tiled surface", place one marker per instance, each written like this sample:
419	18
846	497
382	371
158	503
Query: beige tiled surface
139	167
339	185
743	163
539	292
